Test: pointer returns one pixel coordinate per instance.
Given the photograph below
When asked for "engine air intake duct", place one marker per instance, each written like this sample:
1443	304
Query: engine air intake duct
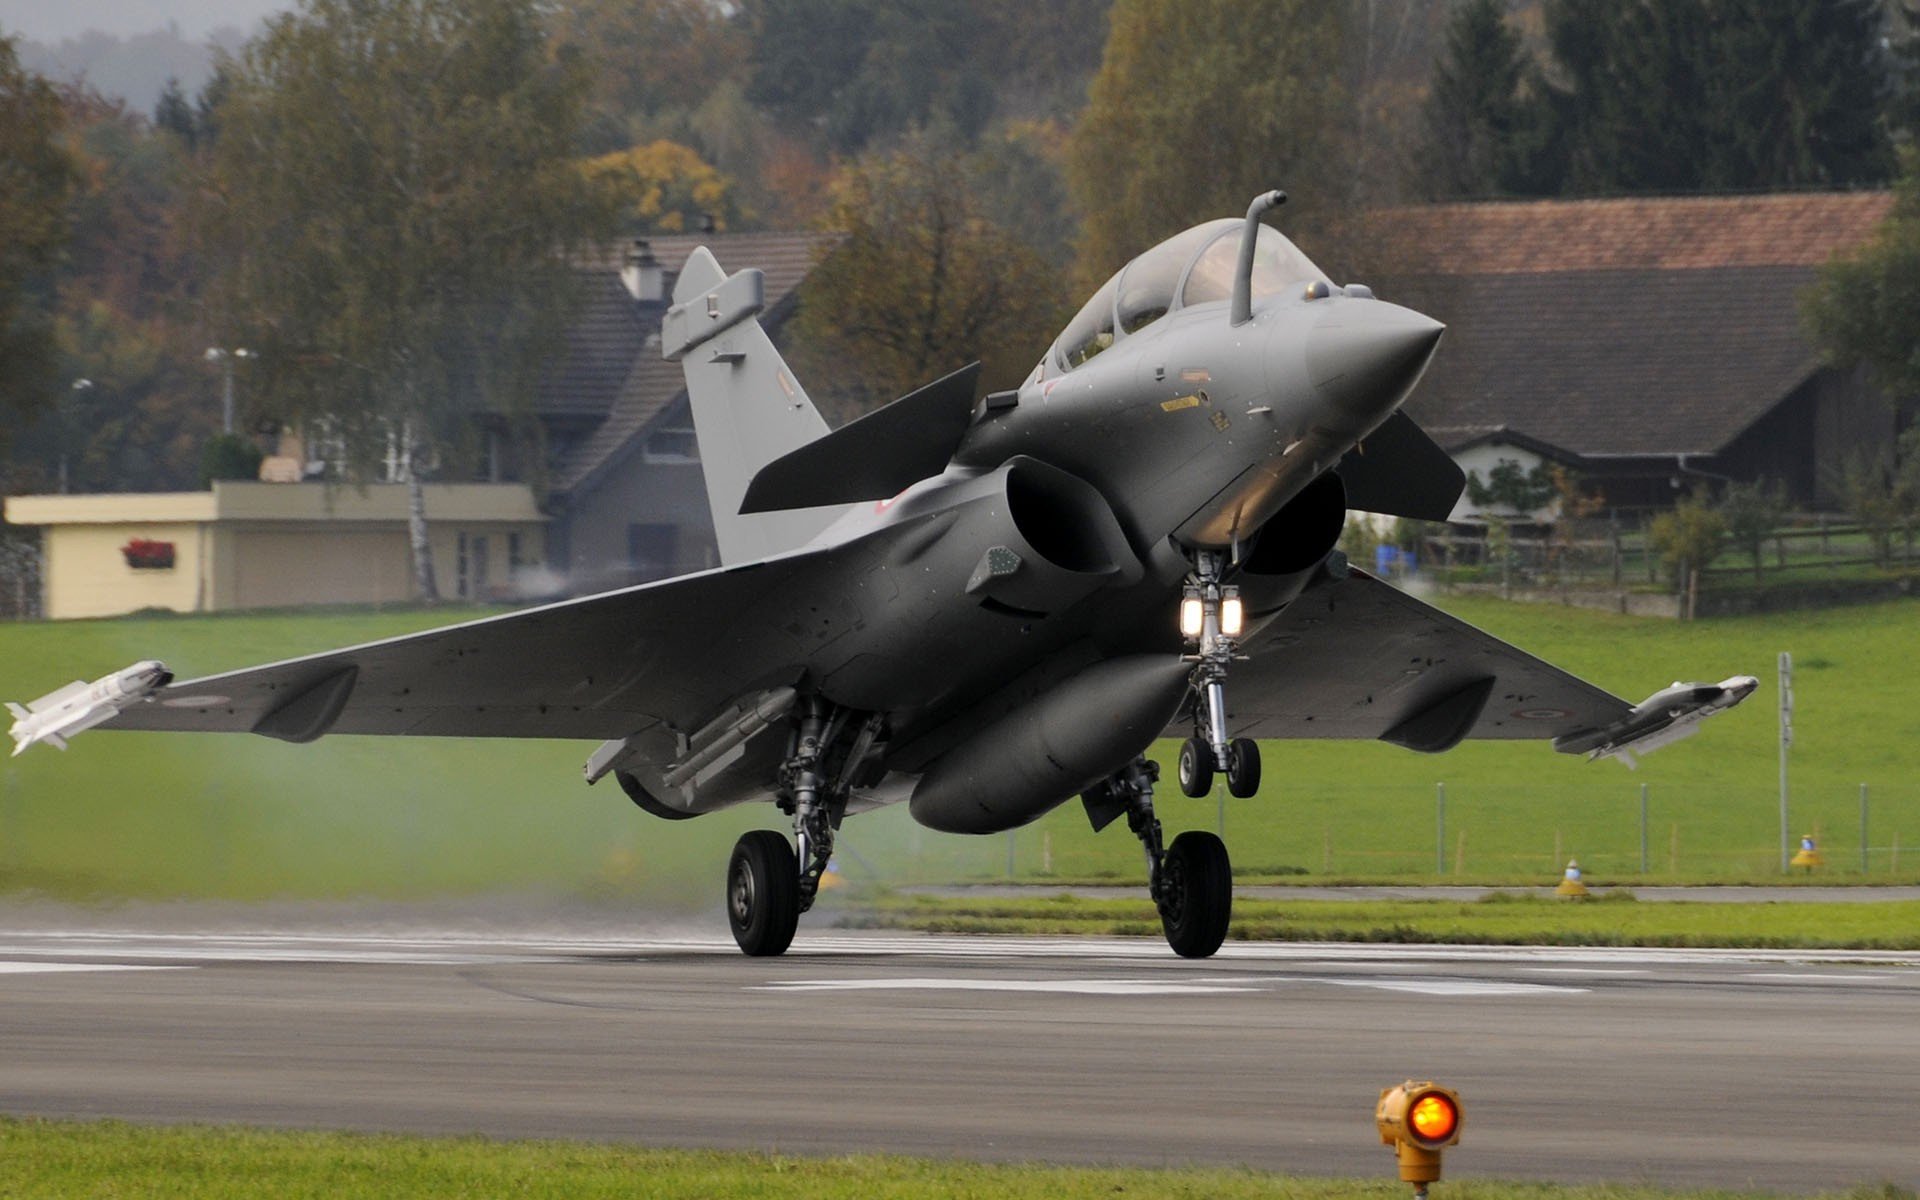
1044	752
1037	540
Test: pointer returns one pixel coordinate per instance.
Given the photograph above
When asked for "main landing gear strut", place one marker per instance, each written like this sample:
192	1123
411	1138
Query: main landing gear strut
1191	881
769	882
1211	618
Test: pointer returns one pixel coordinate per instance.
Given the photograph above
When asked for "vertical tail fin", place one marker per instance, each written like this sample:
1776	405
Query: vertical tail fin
748	409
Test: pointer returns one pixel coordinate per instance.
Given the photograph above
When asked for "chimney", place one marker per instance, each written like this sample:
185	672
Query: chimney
642	274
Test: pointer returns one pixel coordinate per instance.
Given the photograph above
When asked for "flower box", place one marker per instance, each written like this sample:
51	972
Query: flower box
145	555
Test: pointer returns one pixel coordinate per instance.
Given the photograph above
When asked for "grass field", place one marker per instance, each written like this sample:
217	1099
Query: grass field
230	816
1500	919
64	1158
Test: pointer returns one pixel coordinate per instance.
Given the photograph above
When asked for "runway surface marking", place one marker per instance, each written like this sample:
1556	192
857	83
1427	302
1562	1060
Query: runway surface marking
1455	987
1076	987
49	968
467	947
1583	970
1814	977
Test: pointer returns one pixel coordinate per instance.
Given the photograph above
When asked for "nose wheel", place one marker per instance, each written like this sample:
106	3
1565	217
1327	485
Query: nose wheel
1211	618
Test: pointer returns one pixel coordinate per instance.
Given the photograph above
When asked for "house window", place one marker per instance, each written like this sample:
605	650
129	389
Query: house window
653	550
673	442
460	585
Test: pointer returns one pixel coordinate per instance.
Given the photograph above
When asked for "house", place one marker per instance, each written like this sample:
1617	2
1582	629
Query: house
1652	345
625	493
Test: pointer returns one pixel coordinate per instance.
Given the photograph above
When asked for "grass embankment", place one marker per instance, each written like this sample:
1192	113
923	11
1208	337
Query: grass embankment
1499	919
243	817
64	1158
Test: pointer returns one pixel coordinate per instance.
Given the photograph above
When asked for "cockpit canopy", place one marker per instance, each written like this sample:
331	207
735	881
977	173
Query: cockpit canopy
1190	268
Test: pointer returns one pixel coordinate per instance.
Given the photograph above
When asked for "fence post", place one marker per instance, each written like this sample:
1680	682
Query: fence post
1440	829
1863	829
1643	829
1010	848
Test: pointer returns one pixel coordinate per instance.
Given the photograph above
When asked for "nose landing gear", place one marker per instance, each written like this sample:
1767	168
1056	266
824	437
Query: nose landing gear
1211	618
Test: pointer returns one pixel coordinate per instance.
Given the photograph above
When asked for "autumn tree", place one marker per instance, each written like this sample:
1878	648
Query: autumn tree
922	284
664	186
1198	106
36	178
647	59
392	182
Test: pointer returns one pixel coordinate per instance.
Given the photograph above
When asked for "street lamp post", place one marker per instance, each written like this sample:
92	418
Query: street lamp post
225	358
66	427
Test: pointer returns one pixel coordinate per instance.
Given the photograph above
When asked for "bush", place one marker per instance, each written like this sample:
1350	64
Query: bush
1688	538
229	456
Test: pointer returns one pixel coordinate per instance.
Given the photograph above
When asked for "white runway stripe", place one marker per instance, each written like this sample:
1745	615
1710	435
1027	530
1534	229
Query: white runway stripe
1075	987
48	968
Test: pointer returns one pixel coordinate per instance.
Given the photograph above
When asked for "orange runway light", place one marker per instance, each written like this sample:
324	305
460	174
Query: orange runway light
1418	1120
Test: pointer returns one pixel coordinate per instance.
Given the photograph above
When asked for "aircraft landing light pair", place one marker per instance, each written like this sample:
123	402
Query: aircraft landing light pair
985	607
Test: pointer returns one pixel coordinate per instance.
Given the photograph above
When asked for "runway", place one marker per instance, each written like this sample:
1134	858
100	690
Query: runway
1788	1071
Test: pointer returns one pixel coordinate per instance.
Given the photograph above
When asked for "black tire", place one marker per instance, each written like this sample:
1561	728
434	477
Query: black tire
1243	767
1196	894
763	893
1196	767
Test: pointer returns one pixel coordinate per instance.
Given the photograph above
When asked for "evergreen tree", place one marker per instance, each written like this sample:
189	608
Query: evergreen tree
1687	95
1472	119
173	114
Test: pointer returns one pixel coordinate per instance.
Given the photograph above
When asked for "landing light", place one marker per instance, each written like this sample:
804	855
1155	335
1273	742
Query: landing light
1192	615
1232	615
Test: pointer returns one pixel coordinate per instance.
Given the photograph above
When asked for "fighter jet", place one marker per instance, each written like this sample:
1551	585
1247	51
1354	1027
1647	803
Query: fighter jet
985	606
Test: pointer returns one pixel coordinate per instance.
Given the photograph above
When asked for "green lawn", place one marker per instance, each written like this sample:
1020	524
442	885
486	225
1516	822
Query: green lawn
235	816
69	1158
1500	919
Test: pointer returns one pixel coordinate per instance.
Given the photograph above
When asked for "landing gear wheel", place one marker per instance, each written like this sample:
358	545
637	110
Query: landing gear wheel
1196	894
1243	767
1196	767
763	893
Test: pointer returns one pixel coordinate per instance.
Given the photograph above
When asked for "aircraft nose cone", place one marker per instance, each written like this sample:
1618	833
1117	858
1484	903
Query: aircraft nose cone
1366	355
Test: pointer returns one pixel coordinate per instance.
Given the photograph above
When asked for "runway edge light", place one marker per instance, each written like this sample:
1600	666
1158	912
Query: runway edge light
1419	1120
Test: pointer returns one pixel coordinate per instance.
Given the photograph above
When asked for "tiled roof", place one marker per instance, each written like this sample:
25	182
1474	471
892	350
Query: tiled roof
601	339
1802	229
649	384
1620	327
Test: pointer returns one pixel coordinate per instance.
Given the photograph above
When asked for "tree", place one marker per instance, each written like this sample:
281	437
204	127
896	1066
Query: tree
1684	95
664	186
1199	106
1751	512
1473	117
1865	307
392	185
647	58
922	285
36	178
1514	488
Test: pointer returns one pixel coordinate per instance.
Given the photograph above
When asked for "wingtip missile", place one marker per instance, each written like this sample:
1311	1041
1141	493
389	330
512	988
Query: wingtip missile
77	707
1663	718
